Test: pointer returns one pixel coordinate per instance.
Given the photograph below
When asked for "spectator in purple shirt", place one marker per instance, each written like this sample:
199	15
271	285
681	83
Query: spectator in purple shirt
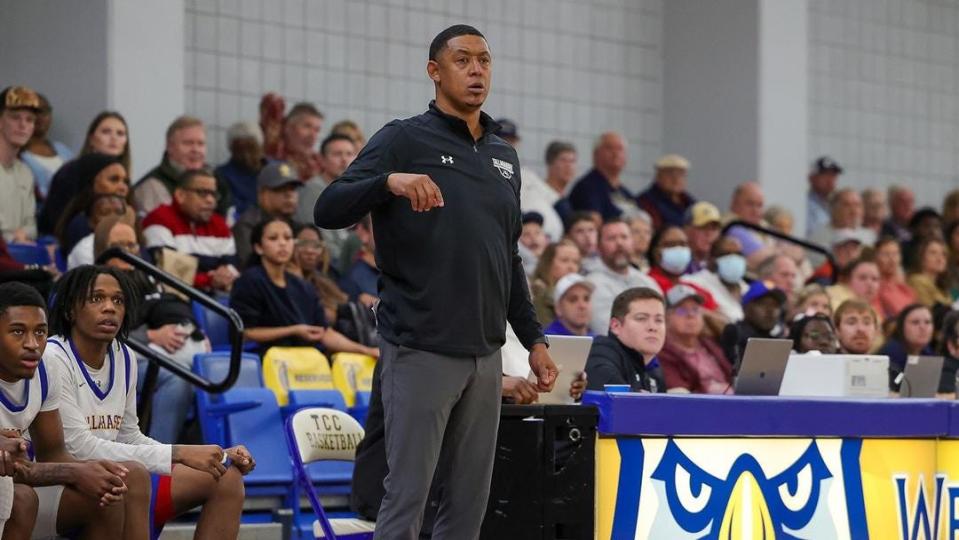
572	298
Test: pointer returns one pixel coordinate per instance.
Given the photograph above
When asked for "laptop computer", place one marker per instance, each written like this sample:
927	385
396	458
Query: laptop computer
762	367
569	353
920	378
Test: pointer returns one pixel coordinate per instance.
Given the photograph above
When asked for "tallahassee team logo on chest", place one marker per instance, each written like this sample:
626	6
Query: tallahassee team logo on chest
505	168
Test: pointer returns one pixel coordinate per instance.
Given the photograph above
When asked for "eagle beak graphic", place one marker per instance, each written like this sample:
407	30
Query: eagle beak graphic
747	515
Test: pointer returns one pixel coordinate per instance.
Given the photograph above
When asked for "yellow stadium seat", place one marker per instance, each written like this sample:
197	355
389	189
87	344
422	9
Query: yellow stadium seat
353	373
295	368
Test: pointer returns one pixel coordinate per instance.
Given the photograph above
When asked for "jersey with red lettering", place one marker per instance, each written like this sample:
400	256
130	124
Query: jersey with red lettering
99	407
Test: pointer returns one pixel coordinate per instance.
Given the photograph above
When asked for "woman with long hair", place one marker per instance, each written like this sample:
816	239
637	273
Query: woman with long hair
277	307
929	273
912	336
311	261
558	259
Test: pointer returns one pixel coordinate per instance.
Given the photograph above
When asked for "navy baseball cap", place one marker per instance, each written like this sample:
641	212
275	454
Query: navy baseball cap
826	164
761	289
533	217
507	129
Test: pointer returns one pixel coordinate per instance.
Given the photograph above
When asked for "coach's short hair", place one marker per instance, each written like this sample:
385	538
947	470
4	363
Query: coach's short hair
457	30
624	299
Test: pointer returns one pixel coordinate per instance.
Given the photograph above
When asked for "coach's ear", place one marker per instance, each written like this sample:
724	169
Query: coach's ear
433	70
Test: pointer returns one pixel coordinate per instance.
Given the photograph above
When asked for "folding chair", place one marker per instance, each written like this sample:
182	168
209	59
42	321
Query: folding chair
320	434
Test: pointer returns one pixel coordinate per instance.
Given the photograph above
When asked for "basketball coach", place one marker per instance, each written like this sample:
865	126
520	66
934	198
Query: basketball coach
443	191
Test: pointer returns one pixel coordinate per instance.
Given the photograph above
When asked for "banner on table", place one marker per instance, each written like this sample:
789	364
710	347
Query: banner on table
777	488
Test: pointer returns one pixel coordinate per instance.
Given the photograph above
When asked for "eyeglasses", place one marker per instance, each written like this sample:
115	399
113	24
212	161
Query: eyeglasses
688	312
204	193
816	336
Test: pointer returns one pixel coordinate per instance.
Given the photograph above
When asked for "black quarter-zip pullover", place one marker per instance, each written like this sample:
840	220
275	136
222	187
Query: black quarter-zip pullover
450	277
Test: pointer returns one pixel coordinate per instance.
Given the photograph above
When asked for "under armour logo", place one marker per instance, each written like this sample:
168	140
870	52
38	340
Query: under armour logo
447	160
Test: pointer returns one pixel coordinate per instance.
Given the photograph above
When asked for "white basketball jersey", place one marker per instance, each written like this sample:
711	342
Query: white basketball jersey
21	401
99	408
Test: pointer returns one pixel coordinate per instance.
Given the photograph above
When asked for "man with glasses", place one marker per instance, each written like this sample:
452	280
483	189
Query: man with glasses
191	226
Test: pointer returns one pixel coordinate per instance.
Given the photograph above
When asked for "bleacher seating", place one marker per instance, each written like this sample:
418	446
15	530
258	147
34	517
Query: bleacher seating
303	428
352	373
29	253
291	369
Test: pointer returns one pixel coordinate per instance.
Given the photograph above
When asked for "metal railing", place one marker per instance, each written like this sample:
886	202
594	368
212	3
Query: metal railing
158	359
787	238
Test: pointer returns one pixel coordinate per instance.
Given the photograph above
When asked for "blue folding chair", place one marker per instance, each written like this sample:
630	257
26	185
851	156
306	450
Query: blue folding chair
29	253
215	326
317	435
212	411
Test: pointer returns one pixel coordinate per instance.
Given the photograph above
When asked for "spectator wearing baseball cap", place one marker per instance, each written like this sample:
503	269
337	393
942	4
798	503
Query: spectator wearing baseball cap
19	107
691	361
763	307
702	225
823	176
572	300
667	200
846	246
277	193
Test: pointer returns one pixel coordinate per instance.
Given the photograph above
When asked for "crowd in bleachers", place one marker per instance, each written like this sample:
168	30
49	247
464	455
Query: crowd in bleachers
219	226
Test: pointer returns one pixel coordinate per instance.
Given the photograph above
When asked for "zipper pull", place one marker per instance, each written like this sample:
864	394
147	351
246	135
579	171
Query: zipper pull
474	148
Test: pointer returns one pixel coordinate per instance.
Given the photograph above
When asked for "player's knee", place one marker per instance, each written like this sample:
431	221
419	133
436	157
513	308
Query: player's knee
137	480
230	485
25	505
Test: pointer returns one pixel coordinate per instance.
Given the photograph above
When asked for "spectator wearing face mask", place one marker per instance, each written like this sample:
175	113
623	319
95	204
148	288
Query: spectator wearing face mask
723	277
669	256
814	333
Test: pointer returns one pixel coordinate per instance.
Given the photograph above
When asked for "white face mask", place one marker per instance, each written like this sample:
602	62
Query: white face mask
675	259
731	268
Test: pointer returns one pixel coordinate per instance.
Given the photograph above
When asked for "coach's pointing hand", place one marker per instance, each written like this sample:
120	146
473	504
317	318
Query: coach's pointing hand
420	189
543	367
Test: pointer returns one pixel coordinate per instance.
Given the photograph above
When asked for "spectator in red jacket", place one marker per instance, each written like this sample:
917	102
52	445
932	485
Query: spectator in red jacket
691	361
191	225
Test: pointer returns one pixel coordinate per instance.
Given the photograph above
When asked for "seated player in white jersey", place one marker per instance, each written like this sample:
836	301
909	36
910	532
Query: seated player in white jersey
95	308
56	494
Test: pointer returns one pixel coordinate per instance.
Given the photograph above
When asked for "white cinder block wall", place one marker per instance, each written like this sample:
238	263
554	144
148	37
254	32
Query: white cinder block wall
562	68
884	91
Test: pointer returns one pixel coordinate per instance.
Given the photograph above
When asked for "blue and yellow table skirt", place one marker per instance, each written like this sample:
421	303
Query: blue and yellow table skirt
673	467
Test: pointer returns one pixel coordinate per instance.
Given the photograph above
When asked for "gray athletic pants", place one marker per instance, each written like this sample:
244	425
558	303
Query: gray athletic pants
441	415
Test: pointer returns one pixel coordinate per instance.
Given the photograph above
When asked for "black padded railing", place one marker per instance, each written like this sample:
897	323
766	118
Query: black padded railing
787	238
157	359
